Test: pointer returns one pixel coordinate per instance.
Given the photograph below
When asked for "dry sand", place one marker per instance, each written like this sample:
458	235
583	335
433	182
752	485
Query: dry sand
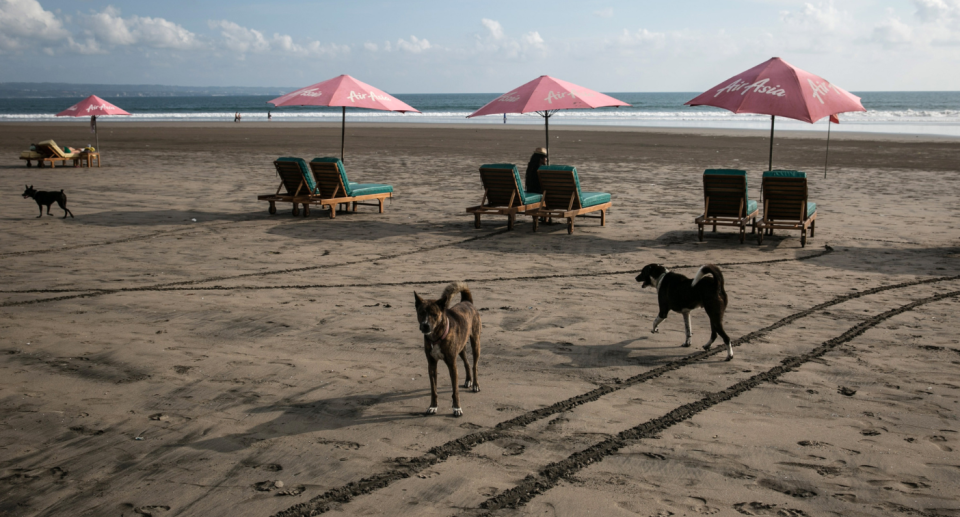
156	365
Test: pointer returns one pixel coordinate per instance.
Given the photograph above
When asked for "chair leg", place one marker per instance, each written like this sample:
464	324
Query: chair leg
333	211
700	232
354	206
803	238
510	220
381	205
813	227
296	209
569	225
476	220
536	223
306	210
273	208
603	218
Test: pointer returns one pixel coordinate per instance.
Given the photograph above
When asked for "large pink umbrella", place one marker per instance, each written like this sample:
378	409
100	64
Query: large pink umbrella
92	107
343	91
545	95
776	87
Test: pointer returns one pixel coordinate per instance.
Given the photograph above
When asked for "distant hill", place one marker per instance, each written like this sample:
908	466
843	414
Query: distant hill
41	90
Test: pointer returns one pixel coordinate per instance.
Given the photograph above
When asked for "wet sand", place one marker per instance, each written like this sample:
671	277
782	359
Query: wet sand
175	350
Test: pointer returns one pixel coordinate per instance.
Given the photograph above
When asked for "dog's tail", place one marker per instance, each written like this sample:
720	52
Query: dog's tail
709	269
457	287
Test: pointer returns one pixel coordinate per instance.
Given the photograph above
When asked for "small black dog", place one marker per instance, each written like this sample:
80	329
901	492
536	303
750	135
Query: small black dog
678	293
48	198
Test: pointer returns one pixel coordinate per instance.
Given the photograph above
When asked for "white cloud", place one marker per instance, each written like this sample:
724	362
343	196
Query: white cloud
243	40
933	11
24	23
893	33
414	46
822	16
108	27
605	13
497	41
372	47
496	30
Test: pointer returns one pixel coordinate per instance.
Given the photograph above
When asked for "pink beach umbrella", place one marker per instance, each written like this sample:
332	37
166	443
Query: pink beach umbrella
777	88
545	95
343	91
92	107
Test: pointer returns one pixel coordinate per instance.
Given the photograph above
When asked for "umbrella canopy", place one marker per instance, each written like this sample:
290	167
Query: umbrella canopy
92	107
343	91
545	95
777	88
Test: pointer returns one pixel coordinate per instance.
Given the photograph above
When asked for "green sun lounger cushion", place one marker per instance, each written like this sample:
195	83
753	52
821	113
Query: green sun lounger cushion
304	169
526	198
811	206
751	205
587	199
351	187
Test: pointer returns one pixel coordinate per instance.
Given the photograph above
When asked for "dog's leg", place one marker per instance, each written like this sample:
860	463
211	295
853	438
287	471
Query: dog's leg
475	345
660	317
452	366
432	373
716	322
713	337
688	327
468	383
41	210
48	209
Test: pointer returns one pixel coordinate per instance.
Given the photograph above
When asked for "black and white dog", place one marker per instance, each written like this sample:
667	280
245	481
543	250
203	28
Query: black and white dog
678	293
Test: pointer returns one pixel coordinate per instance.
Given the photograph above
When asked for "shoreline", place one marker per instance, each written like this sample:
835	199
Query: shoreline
106	124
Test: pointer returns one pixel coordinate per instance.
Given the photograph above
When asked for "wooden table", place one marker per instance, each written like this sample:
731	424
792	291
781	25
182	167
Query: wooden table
86	157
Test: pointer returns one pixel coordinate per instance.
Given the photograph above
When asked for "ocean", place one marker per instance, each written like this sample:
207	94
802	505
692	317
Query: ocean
926	113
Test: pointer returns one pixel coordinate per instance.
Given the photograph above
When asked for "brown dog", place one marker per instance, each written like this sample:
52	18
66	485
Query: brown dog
445	333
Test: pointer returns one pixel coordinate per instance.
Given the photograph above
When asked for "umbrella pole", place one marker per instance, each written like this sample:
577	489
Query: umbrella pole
827	156
770	165
343	130
96	132
546	125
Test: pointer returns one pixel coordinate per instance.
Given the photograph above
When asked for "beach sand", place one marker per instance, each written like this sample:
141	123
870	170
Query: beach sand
175	350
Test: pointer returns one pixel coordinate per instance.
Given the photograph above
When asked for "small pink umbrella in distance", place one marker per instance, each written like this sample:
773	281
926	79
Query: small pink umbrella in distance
343	91
545	95
92	107
776	87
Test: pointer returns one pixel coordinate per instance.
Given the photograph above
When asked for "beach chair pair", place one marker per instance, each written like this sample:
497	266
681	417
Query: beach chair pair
503	194
322	182
726	202
49	151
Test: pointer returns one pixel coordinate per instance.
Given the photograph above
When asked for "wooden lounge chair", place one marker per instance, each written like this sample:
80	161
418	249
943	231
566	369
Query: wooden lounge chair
333	187
785	205
53	153
296	179
726	202
562	197
31	156
503	194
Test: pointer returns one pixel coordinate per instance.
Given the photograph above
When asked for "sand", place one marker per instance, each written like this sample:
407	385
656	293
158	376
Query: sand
175	350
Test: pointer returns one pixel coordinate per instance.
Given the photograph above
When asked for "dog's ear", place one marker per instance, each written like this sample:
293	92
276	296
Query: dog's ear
419	301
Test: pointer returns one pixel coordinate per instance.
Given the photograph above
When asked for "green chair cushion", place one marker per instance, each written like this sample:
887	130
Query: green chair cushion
751	207
811	208
304	169
593	198
784	174
347	185
363	189
525	198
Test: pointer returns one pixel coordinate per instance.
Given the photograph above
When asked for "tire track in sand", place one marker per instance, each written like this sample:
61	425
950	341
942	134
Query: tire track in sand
407	467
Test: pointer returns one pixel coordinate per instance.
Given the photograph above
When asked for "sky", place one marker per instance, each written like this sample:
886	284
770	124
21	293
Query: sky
457	46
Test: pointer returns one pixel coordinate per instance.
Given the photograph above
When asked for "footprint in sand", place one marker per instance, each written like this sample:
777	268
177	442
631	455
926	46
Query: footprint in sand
151	511
940	441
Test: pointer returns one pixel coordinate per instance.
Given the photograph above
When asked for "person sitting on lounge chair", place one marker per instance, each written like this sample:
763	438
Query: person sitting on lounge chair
532	180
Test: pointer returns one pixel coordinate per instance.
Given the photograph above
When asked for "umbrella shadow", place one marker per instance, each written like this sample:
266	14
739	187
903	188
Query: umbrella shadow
321	414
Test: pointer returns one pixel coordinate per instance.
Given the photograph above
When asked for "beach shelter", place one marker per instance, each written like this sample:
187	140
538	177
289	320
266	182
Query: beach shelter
92	107
343	91
777	88
546	95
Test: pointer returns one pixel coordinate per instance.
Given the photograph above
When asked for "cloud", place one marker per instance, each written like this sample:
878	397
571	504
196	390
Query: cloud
934	11
823	16
242	40
496	41
108	27
372	47
24	23
604	13
893	33
414	46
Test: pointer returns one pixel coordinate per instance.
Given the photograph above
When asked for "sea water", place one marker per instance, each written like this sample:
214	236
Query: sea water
927	113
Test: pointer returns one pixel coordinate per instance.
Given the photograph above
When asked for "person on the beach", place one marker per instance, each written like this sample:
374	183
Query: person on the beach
269	116
236	117
532	180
